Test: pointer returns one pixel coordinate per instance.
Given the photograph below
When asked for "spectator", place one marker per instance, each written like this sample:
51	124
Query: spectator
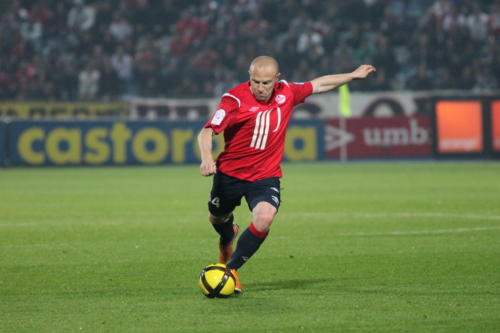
422	80
445	81
33	91
205	60
310	39
467	80
109	83
88	82
477	22
171	75
122	63
384	59
485	81
380	83
364	53
164	16
453	21
191	31
187	88
98	57
229	55
257	27
226	84
81	17
494	20
442	8
343	55
31	31
68	83
120	28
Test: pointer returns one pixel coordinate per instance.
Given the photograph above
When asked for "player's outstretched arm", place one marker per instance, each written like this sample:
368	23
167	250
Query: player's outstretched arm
207	167
329	82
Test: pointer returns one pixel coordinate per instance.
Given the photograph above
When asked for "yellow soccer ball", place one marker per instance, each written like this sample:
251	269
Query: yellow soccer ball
216	281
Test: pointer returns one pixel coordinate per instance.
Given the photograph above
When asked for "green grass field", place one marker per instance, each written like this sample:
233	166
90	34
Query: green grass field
356	247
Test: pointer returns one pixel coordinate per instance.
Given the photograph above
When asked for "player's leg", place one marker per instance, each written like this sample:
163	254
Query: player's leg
252	238
263	216
263	199
225	196
223	225
228	232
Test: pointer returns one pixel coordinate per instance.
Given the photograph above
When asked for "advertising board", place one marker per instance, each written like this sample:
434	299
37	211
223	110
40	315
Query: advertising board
495	125
135	142
35	110
370	137
3	145
459	126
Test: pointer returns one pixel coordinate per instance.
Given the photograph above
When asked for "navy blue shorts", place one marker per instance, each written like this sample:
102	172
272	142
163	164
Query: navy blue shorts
227	192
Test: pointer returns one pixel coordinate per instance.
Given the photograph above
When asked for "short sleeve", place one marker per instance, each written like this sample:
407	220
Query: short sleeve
221	119
301	91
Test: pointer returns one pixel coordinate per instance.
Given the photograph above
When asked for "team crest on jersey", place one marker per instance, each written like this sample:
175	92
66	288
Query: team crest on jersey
280	99
219	115
255	108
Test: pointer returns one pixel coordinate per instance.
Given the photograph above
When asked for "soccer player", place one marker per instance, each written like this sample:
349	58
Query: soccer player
254	117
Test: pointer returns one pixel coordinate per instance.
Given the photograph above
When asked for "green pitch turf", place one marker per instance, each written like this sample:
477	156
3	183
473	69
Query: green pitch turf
357	247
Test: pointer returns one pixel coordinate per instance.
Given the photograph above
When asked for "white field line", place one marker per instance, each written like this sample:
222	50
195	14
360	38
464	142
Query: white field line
319	214
397	215
15	225
40	245
418	232
362	234
86	223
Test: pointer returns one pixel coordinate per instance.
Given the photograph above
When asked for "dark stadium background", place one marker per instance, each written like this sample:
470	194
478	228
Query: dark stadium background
171	48
171	60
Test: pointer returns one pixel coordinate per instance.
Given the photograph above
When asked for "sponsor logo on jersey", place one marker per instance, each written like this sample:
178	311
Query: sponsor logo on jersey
219	115
255	108
299	83
280	99
275	199
275	189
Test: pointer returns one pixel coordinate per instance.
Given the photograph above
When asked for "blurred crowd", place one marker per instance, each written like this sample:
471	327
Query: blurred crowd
115	49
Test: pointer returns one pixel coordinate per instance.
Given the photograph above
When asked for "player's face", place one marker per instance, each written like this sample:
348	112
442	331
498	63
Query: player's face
262	82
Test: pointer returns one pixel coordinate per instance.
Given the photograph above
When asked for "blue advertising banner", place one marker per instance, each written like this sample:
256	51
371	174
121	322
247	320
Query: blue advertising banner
3	144
305	141
135	142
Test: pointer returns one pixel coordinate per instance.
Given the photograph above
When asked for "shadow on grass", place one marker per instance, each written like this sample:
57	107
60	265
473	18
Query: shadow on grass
286	284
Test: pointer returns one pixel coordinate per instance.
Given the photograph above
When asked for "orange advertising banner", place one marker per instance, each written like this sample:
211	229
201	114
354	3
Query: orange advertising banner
495	125
459	126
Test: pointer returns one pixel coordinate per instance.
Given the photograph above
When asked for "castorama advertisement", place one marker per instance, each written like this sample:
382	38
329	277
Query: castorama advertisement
65	143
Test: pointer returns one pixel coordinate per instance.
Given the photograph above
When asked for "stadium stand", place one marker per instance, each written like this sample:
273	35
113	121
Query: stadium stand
115	49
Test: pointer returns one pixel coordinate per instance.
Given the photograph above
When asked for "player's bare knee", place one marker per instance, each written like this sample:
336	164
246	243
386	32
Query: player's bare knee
263	220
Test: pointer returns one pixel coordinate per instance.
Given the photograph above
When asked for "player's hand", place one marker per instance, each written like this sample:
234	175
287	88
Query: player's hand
363	71
208	168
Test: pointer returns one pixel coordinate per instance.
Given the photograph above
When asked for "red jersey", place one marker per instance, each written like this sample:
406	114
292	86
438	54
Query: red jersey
254	131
